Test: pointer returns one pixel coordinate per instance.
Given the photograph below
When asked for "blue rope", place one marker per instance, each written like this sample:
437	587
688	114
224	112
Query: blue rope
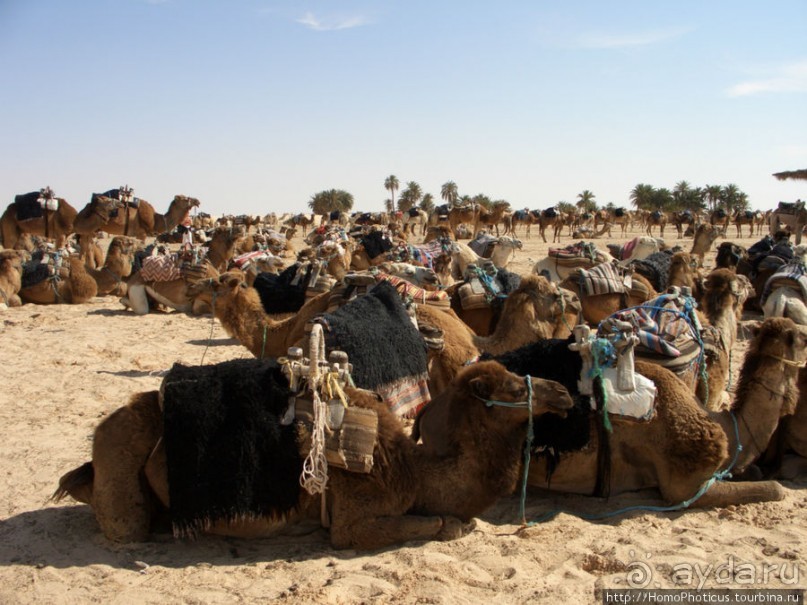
527	444
717	476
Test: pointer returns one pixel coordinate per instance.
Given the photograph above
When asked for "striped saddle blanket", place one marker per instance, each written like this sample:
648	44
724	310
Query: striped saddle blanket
793	275
605	278
160	268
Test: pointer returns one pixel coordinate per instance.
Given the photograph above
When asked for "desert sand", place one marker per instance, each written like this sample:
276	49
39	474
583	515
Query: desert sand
63	368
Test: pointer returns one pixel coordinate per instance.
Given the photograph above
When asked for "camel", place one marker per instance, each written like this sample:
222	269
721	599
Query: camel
242	315
623	218
77	288
499	212
746	217
537	309
639	247
786	455
783	293
90	252
10	278
729	256
413	217
469	214
682	448
552	218
142	294
139	221
222	245
304	221
657	217
724	293
520	217
556	270
793	216
503	252
762	220
592	232
116	267
720	218
705	236
53	224
409	494
684	217
596	307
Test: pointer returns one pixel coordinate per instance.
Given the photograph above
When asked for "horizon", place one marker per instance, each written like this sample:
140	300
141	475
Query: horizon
254	106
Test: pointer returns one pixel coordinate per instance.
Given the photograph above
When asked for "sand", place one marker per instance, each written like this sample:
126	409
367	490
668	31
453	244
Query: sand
63	368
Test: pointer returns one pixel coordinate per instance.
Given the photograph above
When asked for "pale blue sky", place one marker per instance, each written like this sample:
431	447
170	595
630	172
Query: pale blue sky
255	105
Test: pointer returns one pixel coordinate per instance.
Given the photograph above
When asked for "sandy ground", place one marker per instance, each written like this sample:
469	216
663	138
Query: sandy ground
63	368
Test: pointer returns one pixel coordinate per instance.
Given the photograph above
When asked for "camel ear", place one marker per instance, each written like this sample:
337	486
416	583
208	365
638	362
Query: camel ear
233	282
481	387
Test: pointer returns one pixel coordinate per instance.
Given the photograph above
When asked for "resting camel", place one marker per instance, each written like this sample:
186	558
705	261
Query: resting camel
724	293
537	309
682	446
116	267
729	255
90	252
55	224
556	270
139	221
705	236
684	217
596	307
10	278
410	494
786	456
503	252
242	315
78	287
222	245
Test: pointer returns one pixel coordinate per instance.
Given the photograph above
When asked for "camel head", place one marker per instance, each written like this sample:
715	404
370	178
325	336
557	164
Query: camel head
542	302
186	202
490	399
729	255
420	276
226	285
723	289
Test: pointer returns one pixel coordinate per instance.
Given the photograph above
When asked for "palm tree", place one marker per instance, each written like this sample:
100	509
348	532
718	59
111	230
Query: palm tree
730	196
427	203
327	201
449	192
662	199
713	194
566	207
391	185
410	196
642	196
585	201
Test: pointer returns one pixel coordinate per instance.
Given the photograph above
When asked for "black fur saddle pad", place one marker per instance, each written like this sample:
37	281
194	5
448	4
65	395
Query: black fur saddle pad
28	206
283	293
34	273
228	455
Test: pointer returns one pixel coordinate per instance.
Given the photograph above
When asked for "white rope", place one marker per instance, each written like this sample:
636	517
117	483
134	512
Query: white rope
314	477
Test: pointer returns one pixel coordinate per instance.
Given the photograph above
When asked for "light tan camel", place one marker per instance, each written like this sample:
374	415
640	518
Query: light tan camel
10	278
409	494
499	212
116	267
222	245
54	224
139	221
89	251
537	309
705	236
421	218
623	218
596	307
682	447
557	222
77	288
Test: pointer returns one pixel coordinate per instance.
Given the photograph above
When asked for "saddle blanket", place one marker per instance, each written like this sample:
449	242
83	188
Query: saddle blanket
160	268
573	252
604	278
791	274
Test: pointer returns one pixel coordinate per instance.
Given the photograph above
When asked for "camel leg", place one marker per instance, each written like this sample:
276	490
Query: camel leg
136	299
380	532
740	492
121	499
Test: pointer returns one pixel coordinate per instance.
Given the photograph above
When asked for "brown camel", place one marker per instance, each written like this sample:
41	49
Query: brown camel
537	309
746	217
116	267
623	218
239	309
468	214
786	456
222	246
499	212
304	221
409	494
139	221
721	304
142	294
705	236
657	217
596	307
90	252
10	278
682	447
54	224
720	218
78	287
557	221
681	218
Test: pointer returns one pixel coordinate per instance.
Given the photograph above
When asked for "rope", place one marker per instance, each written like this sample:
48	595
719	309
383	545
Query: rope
212	326
314	477
717	476
527	444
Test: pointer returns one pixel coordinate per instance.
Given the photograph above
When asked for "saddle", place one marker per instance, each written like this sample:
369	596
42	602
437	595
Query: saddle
789	207
483	244
581	254
32	205
605	278
792	275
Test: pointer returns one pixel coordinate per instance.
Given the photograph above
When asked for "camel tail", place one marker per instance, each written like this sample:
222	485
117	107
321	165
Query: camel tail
77	484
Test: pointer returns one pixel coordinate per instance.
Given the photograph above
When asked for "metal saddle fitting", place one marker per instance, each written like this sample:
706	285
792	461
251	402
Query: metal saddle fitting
297	371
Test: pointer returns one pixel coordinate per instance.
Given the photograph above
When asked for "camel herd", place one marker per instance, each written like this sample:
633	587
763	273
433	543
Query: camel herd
511	360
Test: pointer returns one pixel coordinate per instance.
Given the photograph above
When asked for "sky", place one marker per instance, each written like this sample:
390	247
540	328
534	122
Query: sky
254	106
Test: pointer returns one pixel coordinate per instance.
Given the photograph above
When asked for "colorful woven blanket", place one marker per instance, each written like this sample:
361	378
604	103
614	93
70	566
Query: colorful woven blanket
605	278
160	268
793	274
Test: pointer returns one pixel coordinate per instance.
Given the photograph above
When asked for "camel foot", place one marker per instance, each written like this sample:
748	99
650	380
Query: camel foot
741	492
453	529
